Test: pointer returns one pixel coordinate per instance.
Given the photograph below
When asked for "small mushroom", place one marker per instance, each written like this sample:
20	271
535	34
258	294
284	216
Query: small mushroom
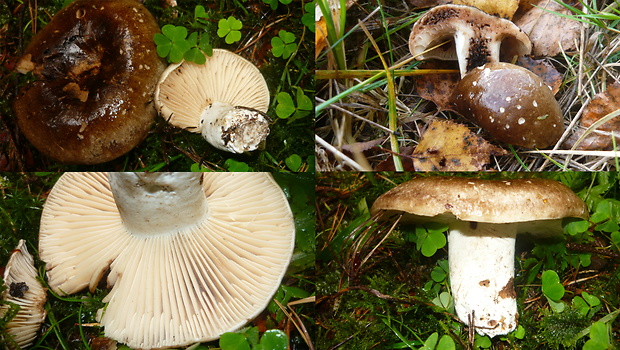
96	67
474	36
511	103
23	290
484	218
224	99
188	256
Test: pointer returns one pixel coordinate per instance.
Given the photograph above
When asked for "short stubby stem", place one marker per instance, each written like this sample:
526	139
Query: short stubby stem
159	203
233	129
481	258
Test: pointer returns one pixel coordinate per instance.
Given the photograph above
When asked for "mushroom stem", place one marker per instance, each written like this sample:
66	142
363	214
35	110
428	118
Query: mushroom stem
144	201
233	129
482	283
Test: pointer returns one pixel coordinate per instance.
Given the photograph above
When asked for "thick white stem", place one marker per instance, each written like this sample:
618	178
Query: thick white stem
233	129
481	258
159	203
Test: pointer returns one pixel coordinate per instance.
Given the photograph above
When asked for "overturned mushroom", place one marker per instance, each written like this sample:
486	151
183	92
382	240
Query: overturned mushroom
484	218
190	256
474	37
24	291
224	99
96	68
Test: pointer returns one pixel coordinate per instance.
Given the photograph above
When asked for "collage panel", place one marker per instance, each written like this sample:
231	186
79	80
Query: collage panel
429	85
156	260
467	260
150	85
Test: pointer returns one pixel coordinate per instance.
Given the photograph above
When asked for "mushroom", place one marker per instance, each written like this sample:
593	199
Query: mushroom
28	294
188	256
224	99
484	218
96	67
475	37
511	103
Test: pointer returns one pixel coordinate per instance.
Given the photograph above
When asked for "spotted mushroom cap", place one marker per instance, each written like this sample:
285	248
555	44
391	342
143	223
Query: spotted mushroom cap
511	103
96	67
23	290
474	36
191	280
186	89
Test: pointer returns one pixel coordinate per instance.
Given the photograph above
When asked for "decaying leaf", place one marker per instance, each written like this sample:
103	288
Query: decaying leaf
449	146
438	87
545	70
548	32
601	105
504	8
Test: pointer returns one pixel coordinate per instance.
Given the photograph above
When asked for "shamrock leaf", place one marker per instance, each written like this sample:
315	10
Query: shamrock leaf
172	42
286	107
229	29
284	44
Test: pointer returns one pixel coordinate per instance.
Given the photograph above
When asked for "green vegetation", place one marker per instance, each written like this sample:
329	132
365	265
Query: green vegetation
387	287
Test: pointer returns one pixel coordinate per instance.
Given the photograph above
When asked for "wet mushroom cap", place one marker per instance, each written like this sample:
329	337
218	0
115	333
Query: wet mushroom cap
96	67
474	37
511	103
24	290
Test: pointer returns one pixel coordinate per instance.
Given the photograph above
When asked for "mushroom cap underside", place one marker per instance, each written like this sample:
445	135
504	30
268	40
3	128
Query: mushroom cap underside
186	89
481	31
172	289
24	290
96	67
478	200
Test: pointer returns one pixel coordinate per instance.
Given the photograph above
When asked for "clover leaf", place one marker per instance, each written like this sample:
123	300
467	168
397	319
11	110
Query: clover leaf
284	44
299	108
308	18
274	3
294	162
229	29
172	42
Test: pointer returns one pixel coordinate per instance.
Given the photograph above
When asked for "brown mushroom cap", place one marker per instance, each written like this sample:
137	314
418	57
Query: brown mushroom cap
479	200
96	67
475	37
511	103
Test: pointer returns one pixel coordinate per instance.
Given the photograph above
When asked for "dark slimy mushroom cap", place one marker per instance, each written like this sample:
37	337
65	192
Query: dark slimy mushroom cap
511	103
96	68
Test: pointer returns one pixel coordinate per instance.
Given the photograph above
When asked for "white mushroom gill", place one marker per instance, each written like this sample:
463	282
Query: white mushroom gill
208	263
224	99
481	258
28	294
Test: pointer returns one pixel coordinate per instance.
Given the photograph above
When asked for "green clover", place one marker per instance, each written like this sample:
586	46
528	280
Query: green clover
308	18
172	42
299	108
229	28
284	44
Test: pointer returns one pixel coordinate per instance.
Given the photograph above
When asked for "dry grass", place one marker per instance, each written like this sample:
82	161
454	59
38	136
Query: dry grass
353	119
